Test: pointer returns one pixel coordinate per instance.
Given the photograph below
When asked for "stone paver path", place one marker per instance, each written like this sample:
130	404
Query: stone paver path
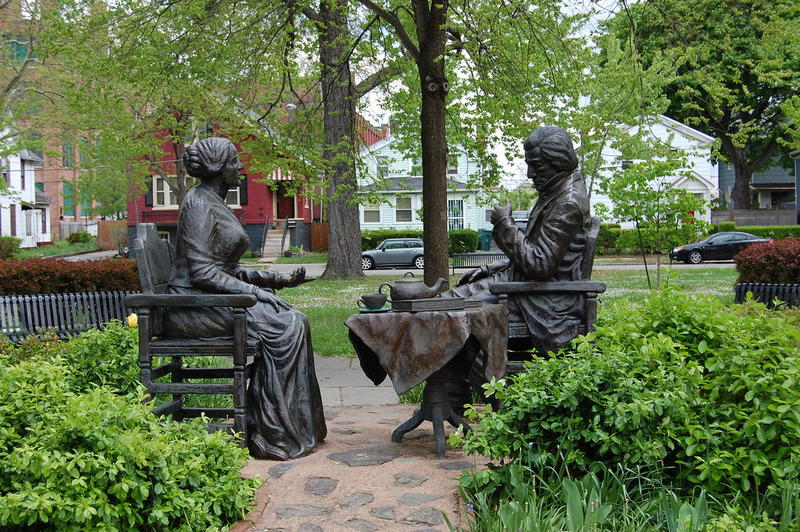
359	480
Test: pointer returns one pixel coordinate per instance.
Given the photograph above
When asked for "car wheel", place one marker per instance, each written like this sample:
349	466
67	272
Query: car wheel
695	257
419	262
367	263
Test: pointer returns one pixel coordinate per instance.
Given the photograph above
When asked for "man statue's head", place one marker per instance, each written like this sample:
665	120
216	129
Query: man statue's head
549	152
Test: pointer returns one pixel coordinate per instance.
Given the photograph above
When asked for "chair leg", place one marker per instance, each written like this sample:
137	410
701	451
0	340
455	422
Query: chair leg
177	376
239	402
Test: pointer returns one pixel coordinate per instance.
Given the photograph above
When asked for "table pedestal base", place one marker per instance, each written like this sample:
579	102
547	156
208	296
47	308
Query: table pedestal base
435	408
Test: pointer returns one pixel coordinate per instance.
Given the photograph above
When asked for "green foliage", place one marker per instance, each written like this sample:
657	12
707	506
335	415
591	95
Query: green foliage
9	247
707	392
79	237
606	239
726	226
73	459
462	241
370	239
773	262
632	241
108	357
776	232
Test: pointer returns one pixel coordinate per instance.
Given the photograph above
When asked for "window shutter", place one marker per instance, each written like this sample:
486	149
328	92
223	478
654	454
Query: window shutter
148	195
13	212
243	189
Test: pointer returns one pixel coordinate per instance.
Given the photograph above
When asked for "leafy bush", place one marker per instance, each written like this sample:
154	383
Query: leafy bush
371	239
9	247
79	237
628	239
776	232
606	239
708	393
50	276
104	358
726	226
98	460
462	241
770	262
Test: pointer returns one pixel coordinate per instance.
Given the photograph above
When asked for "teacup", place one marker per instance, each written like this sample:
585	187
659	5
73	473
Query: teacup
372	301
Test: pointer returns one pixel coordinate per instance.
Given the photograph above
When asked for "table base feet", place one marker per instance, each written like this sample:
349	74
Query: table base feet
435	408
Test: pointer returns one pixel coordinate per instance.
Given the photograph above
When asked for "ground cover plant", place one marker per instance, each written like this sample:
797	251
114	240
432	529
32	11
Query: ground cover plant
693	395
59	247
80	450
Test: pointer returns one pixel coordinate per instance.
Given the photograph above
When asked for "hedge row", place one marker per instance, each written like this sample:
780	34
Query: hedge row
460	240
772	262
613	240
52	276
765	231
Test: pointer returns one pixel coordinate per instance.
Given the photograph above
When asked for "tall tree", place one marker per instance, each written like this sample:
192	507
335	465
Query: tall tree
736	67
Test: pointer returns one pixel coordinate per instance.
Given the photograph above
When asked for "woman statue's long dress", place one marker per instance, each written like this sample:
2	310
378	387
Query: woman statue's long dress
284	407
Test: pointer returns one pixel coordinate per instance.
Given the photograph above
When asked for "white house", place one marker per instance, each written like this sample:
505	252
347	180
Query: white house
703	179
400	191
24	209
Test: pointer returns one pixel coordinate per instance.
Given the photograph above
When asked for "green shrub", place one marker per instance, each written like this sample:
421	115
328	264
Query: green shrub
628	240
462	241
9	247
606	239
706	392
79	237
770	262
371	239
726	226
97	460
108	357
776	232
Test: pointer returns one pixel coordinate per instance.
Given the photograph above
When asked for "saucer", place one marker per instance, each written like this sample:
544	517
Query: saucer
373	310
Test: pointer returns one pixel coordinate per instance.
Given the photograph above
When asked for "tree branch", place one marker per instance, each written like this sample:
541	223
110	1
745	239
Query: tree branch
394	21
375	79
766	155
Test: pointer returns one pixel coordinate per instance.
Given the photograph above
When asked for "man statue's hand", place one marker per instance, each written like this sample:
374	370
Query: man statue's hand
499	212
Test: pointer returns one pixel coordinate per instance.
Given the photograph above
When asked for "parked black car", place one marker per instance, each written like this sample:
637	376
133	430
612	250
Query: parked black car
394	252
720	246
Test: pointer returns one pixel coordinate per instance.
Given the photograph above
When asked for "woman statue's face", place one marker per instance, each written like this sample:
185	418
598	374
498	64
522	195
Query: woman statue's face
230	174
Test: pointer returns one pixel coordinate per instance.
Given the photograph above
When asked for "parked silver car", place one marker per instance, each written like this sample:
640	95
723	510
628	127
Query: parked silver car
394	252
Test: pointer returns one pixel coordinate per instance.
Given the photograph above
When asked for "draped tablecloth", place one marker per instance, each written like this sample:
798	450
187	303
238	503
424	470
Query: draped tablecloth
411	346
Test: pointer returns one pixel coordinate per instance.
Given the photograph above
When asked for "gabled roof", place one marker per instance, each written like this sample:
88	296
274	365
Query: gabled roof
694	175
410	184
27	155
685	130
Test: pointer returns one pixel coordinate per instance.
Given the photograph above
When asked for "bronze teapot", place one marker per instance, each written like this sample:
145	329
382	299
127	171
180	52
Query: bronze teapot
412	288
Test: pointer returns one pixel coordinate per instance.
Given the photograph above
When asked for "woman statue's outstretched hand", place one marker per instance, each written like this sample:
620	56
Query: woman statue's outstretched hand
297	277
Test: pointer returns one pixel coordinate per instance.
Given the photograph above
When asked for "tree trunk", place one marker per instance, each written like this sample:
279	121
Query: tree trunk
740	195
344	230
431	34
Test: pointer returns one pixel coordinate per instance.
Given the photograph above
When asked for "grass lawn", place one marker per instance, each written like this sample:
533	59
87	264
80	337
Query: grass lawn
59	247
328	303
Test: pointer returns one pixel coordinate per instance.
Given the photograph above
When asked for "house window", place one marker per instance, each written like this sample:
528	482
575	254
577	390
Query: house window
383	166
232	199
455	214
626	163
163	194
28	222
402	209
86	207
69	200
452	164
83	152
372	213
16	47
164	235
67	154
6	171
43	214
22	178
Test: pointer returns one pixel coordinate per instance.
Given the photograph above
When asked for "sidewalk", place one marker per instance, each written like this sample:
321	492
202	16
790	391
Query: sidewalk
358	479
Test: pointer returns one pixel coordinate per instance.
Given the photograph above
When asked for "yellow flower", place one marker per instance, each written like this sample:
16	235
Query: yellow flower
133	321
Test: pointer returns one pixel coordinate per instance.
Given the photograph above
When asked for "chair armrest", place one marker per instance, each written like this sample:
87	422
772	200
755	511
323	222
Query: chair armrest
187	300
532	287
